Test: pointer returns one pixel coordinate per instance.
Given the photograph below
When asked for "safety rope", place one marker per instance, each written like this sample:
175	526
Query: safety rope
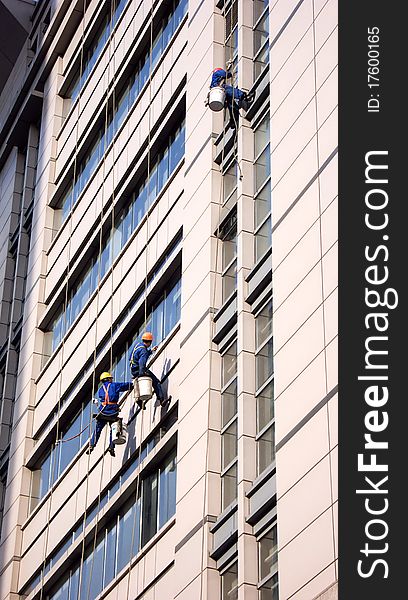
137	486
109	425
65	305
211	335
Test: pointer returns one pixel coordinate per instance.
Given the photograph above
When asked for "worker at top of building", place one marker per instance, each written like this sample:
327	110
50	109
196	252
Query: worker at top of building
108	407
138	358
234	97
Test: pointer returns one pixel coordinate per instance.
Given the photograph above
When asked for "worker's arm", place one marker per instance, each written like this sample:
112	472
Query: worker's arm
124	387
143	358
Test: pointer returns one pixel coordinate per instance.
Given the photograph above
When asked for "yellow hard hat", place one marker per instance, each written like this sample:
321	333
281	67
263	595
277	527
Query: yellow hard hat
105	375
147	337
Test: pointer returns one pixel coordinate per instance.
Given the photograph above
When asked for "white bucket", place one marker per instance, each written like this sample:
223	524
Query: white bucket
119	432
216	98
143	388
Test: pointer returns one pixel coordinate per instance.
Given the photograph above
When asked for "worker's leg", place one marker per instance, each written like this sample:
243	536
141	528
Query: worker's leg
158	390
97	432
111	447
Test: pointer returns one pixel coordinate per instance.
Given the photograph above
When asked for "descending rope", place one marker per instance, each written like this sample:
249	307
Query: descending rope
137	487
95	536
211	335
57	432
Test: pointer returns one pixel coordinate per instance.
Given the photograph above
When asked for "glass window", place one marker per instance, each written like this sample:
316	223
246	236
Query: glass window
229	246
229	281
230	180
229	403
262	168
266	448
263	324
163	170
177	148
45	472
270	589
263	239
268	552
265	406
167	486
261	32
99	265
229	486
70	448
229	583
229	364
92	572
157	322
62	593
263	204
149	517
173	308
127	529
264	364
110	555
229	444
262	135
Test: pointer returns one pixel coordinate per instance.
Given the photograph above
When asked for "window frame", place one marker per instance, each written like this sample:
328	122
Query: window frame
275	570
269	380
234	419
264	13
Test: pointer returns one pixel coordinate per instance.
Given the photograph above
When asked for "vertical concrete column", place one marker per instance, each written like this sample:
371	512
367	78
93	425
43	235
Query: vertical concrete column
198	470
247	558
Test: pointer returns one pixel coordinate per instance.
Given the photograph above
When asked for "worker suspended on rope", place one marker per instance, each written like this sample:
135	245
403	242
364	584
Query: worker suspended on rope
108	408
234	97
138	357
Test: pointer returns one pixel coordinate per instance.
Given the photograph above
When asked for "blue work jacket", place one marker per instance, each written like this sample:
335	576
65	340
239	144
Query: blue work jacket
108	396
219	77
138	358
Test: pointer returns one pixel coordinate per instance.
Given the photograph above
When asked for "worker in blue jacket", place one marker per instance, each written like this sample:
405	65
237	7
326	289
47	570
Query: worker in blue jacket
234	97
138	357
108	408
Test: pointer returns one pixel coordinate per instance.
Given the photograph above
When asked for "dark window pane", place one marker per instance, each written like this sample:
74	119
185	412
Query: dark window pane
127	525
149	518
173	307
167	500
229	403
270	589
263	239
263	324
229	364
74	587
265	407
45	476
229	486
262	204
229	444
229	583
92	572
264	364
268	552
262	168
70	448
110	556
62	593
266	449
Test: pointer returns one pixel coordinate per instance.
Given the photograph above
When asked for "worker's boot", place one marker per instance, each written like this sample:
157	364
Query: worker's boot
141	404
112	451
90	449
165	401
247	100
